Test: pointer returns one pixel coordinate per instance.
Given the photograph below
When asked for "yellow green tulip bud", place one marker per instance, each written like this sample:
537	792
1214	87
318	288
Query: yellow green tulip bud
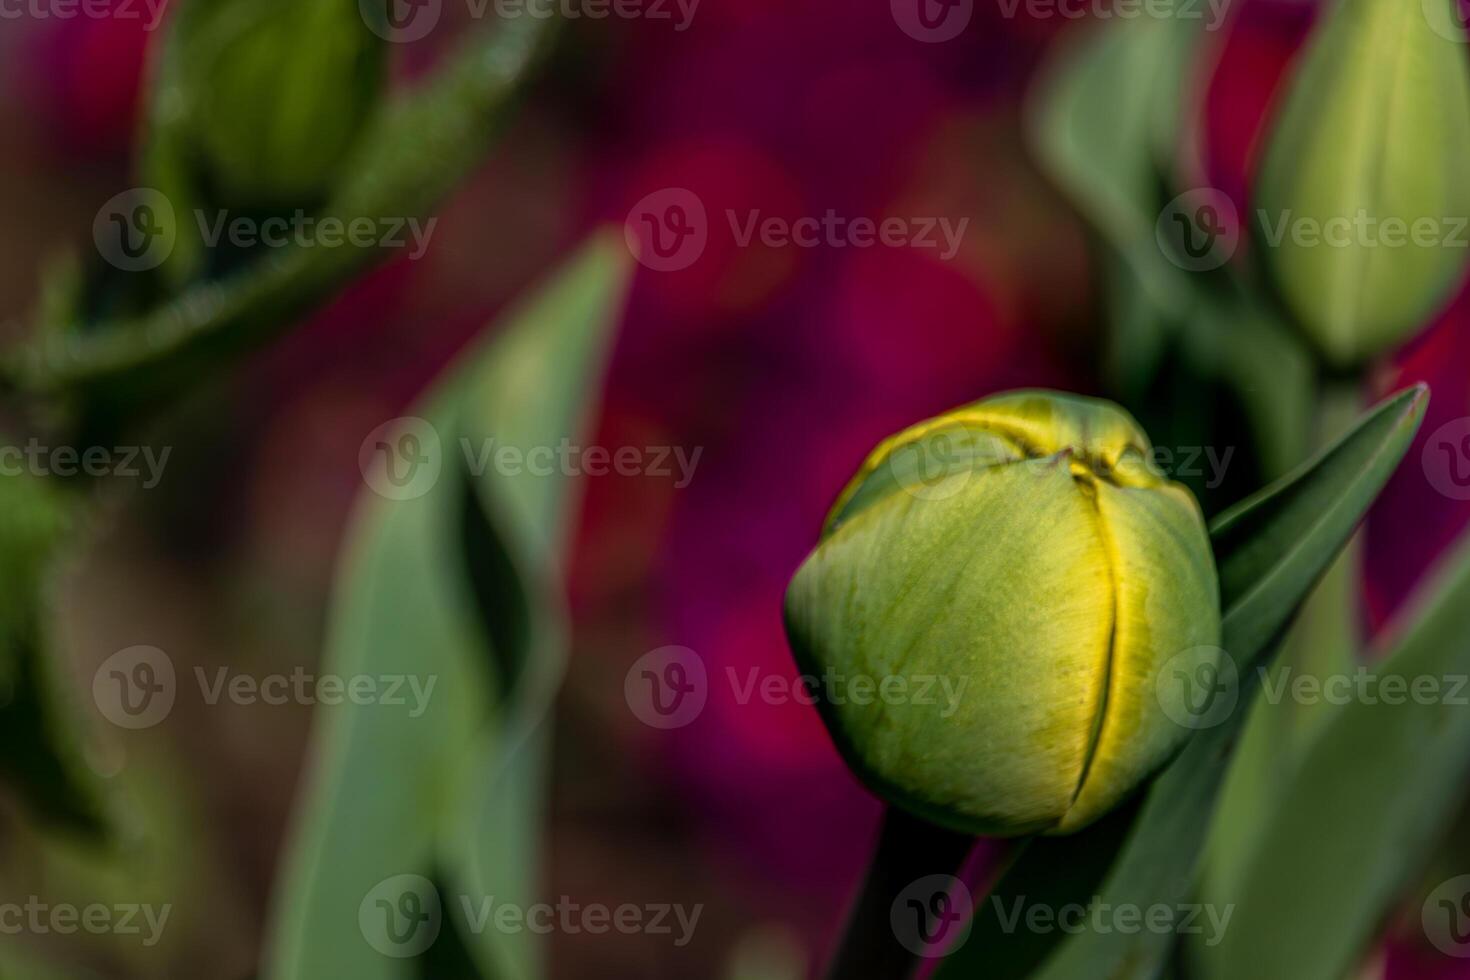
1362	201
281	90
1024	554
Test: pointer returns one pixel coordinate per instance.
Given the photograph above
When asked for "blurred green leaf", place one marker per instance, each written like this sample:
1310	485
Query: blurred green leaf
42	757
1364	807
19	963
1270	550
1114	122
1099	118
1325	640
1375	128
460	584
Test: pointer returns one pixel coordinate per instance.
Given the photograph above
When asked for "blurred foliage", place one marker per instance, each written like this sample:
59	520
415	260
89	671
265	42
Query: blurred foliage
459	585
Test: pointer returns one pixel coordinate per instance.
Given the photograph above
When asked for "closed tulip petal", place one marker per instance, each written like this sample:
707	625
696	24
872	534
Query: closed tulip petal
988	609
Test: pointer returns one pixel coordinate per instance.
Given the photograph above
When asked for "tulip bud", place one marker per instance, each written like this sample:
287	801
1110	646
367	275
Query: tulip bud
1362	202
279	92
1023	554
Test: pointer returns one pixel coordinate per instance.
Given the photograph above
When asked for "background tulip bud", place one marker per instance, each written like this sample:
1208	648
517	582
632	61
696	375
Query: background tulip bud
1362	202
1022	552
280	90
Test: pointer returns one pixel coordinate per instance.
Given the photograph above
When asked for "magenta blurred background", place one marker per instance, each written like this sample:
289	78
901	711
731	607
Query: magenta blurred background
784	365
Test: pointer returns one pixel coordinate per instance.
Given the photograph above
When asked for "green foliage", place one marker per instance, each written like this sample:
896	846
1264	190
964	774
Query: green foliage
459	584
1363	806
42	756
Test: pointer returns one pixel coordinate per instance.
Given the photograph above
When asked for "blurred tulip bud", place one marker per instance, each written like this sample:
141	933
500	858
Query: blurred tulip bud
1010	579
279	92
1361	202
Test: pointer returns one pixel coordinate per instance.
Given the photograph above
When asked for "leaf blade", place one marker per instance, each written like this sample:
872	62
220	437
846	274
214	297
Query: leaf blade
393	795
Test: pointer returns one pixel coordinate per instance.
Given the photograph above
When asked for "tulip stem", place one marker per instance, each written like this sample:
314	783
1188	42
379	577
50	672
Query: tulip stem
908	850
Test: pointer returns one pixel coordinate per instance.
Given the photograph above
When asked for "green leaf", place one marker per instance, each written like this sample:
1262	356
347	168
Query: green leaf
42	757
460	584
1324	640
1270	550
1364	807
1375	126
1100	118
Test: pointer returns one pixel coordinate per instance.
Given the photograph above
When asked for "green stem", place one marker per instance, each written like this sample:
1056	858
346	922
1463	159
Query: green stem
908	849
